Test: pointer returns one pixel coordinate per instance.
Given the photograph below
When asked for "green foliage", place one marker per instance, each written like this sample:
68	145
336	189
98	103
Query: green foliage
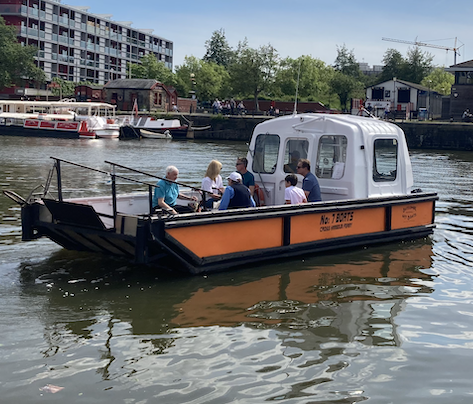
207	79
151	68
65	89
345	87
439	80
16	61
346	62
218	49
414	68
314	79
253	70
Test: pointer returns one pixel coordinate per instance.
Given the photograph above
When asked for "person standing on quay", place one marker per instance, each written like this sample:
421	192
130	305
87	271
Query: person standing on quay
310	184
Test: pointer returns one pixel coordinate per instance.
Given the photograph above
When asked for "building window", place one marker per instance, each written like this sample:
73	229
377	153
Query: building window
377	93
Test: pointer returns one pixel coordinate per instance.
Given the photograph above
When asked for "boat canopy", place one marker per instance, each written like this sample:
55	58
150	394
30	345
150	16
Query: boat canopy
353	157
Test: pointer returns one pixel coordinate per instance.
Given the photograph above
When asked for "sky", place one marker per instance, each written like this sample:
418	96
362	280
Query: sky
302	27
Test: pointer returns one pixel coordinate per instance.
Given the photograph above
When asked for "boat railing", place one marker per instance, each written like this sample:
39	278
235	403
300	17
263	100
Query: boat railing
200	190
114	176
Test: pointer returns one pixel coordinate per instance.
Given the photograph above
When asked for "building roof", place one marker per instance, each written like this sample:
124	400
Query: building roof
459	67
406	83
135	84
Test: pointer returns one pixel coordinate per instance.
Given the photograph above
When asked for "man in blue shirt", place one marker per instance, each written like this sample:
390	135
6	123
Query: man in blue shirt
167	191
248	179
310	184
236	195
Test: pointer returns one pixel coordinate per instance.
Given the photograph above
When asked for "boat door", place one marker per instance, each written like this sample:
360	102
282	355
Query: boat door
273	158
387	160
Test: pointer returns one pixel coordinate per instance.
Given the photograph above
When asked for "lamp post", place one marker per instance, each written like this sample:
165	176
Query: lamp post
430	104
394	97
192	90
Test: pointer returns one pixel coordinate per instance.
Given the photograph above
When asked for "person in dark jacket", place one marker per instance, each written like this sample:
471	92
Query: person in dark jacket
236	195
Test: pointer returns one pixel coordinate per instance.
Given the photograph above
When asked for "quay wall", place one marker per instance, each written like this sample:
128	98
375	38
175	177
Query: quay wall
420	135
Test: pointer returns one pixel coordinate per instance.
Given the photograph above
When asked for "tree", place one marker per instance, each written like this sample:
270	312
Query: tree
207	79
346	62
419	65
439	80
253	70
17	61
151	68
345	87
394	65
413	68
314	79
218	49
65	88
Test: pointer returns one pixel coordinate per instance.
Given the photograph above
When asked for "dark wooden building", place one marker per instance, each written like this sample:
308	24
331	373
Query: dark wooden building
461	96
150	95
89	92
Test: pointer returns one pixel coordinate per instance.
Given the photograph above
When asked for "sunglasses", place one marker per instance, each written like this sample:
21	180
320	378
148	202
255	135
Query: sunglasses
299	167
238	164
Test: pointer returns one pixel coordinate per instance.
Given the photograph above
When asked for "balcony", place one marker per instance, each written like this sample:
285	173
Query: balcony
10	9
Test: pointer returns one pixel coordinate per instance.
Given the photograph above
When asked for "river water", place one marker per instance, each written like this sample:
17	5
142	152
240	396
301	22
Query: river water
386	324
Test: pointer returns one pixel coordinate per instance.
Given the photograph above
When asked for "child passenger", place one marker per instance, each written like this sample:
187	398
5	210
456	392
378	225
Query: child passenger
292	194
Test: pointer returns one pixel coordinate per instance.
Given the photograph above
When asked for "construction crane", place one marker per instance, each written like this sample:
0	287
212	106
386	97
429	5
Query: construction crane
417	43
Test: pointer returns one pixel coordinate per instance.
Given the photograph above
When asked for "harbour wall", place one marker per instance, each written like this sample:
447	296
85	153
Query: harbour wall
419	135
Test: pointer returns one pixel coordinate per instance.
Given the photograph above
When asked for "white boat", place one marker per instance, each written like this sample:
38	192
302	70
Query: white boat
65	119
147	126
153	135
366	182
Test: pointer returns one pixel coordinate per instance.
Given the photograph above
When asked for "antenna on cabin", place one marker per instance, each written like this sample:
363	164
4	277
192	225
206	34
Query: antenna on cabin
297	87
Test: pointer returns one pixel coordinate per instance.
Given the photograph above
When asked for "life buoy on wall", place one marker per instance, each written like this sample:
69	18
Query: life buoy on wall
120	98
258	196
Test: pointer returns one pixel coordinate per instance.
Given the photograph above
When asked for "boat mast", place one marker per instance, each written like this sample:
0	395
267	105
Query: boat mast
297	87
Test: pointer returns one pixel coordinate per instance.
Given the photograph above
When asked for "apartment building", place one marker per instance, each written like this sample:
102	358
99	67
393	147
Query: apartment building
77	45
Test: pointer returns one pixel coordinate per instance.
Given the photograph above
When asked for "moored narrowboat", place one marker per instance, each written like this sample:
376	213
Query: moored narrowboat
365	177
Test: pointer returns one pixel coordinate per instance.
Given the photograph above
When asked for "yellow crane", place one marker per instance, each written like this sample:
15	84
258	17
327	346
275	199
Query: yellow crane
417	43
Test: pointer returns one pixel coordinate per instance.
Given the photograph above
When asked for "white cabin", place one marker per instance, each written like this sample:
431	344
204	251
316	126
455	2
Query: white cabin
353	157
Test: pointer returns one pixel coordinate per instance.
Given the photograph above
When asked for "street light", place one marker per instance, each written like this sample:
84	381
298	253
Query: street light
394	97
430	83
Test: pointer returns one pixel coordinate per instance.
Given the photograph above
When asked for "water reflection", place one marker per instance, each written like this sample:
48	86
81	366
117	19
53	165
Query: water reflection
347	301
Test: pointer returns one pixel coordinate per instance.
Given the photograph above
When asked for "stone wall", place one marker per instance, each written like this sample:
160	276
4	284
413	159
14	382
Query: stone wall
419	135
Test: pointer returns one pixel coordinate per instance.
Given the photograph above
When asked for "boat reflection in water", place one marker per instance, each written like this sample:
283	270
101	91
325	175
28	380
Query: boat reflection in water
347	300
264	328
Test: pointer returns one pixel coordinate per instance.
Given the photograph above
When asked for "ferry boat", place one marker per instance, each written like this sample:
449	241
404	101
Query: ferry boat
63	119
366	182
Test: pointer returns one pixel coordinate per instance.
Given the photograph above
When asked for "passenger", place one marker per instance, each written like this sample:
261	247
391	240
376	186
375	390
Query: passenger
292	194
212	183
236	195
248	178
291	167
310	184
167	192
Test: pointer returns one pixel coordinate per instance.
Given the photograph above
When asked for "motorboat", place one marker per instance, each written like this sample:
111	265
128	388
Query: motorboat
366	181
63	119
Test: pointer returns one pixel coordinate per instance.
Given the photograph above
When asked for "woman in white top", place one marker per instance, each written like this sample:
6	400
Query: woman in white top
292	194
212	183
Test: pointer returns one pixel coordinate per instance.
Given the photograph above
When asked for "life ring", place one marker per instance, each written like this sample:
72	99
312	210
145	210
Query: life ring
259	196
120	98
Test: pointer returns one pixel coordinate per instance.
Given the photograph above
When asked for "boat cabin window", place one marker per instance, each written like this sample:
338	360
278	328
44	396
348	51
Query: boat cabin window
295	149
385	160
331	157
266	153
